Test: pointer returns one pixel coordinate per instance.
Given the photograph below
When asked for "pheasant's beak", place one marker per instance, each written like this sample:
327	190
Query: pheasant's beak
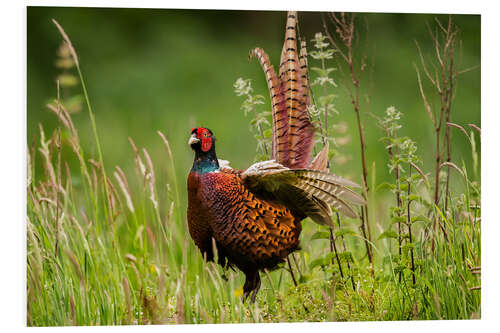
193	140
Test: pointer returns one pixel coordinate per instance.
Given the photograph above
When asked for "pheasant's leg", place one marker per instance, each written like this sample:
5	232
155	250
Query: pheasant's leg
252	283
256	289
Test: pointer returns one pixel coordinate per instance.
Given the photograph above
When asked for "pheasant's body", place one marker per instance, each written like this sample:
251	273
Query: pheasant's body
253	217
250	232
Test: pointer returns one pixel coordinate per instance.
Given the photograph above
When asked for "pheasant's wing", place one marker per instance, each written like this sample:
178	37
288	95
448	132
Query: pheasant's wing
320	162
303	190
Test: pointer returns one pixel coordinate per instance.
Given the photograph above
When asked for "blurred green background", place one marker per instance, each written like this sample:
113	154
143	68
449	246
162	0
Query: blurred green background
170	70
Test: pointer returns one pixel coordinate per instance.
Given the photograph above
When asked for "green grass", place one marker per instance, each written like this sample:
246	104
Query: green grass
142	267
106	247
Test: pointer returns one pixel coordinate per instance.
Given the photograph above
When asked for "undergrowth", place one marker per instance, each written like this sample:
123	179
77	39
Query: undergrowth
109	248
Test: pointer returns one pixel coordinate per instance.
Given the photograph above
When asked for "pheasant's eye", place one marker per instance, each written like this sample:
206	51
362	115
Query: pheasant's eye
205	135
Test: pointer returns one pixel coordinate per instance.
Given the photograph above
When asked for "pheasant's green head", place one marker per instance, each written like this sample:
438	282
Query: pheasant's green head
202	141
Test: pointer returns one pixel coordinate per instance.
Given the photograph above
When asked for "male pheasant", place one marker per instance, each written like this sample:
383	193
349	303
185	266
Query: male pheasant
254	216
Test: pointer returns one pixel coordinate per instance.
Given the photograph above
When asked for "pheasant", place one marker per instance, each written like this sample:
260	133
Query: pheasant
253	216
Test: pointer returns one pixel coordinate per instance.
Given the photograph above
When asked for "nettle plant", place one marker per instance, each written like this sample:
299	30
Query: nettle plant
408	178
323	107
260	125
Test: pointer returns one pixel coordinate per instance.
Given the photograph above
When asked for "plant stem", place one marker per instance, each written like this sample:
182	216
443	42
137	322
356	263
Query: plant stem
58	182
333	248
348	264
409	229
345	30
449	92
291	271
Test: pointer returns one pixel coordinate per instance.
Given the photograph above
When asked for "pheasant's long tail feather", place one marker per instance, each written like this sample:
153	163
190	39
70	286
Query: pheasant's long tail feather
320	161
294	85
306	185
279	151
303	74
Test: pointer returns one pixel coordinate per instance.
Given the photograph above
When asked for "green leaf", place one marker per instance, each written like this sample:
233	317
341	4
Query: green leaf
320	71
323	261
346	255
304	278
388	234
415	176
387	138
407	246
413	197
420	218
385	185
396	219
328	99
344	231
321	235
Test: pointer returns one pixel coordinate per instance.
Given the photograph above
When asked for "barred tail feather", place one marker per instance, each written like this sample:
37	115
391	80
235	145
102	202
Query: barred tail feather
279	151
294	83
293	131
320	162
303	74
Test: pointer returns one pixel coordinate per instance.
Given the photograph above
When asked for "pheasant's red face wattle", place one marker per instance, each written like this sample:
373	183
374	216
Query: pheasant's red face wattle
205	137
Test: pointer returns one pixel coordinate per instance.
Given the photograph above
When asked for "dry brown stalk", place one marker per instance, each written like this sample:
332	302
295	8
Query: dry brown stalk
72	303
408	213
443	81
477	128
78	270
140	167
179	318
122	183
58	185
126	289
345	30
150	177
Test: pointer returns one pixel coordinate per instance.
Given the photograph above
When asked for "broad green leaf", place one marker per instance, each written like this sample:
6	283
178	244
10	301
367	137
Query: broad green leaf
321	235
344	231
388	234
385	185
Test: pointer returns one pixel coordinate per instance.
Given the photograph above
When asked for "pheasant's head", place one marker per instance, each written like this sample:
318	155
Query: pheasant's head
202	140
